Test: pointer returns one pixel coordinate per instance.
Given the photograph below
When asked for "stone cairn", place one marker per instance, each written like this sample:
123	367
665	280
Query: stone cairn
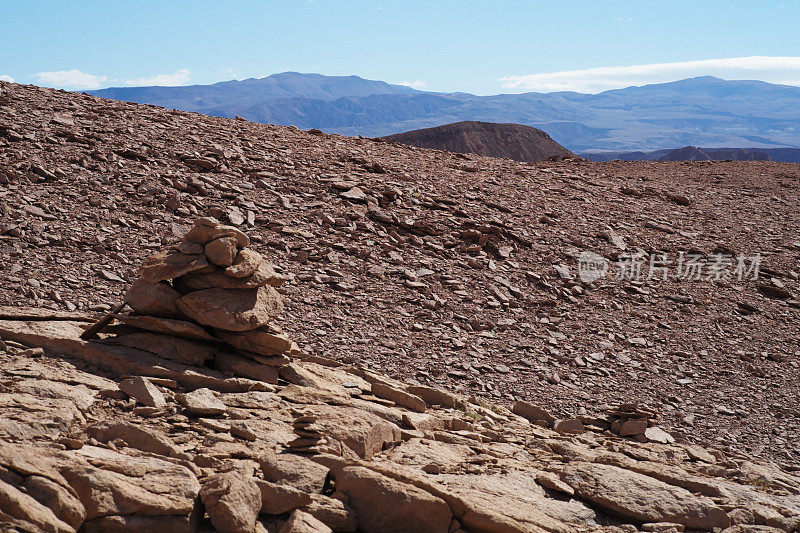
309	439
213	289
638	421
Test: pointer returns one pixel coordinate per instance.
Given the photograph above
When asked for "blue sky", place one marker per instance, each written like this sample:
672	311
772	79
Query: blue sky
474	46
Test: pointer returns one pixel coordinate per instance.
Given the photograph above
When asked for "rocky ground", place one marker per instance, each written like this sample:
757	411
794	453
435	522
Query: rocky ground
434	268
187	409
98	436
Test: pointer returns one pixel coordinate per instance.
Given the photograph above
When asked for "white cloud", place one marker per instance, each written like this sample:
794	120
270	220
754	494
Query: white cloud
70	79
784	70
179	77
419	84
6	77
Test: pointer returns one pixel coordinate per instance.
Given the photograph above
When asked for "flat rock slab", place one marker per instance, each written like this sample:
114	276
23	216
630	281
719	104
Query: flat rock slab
384	504
62	337
36	313
190	352
232	310
303	522
168	265
168	326
263	275
97	483
260	341
201	234
202	402
642	497
245	368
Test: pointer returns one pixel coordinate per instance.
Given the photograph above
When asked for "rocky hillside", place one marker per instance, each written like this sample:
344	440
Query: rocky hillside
511	141
443	270
192	411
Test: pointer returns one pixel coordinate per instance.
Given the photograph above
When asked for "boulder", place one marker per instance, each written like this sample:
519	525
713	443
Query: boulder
332	512
633	427
656	434
364	433
433	396
232	501
569	425
532	412
232	310
156	299
640	497
110	483
293	470
27	510
382	504
58	498
279	498
136	523
168	265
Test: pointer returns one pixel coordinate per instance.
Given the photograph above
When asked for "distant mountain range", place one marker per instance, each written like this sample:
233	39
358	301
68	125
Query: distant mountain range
694	153
704	111
514	141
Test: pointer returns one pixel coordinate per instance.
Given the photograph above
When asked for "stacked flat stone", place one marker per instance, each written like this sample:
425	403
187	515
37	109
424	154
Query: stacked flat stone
212	288
631	419
309	439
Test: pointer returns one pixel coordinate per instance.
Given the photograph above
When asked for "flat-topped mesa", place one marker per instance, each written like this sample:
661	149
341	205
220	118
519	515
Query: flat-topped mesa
211	287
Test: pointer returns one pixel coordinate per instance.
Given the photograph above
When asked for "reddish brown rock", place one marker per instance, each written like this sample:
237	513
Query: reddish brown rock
246	263
169	265
246	368
168	326
641	497
232	310
221	251
303	522
202	402
383	504
232	501
144	391
264	275
202	234
263	341
156	299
